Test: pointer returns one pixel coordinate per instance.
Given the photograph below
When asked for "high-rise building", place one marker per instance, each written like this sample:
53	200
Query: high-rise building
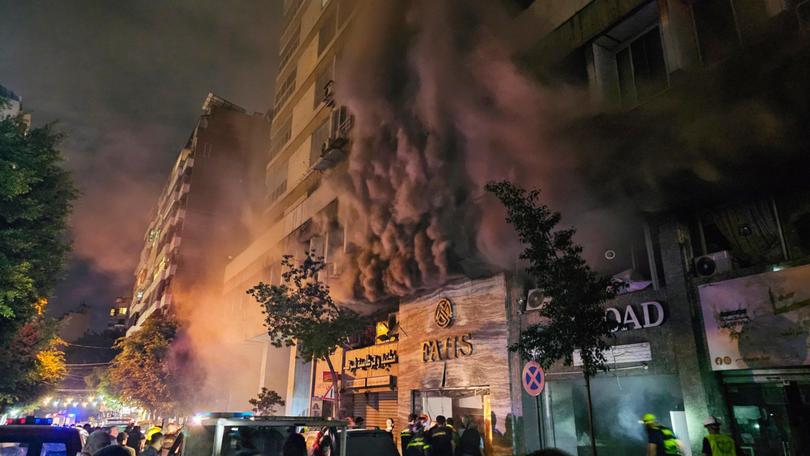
307	136
10	103
197	221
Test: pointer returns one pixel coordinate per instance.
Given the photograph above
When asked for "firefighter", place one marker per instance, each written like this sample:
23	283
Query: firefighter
661	441
406	434
717	444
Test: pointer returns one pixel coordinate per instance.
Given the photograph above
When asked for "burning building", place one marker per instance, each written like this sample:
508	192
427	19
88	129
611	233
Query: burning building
671	134
198	218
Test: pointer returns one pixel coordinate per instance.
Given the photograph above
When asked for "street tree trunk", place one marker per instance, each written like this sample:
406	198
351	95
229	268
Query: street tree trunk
336	412
590	414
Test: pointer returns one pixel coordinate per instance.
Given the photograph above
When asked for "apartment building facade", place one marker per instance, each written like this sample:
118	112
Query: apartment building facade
714	313
307	137
197	222
684	353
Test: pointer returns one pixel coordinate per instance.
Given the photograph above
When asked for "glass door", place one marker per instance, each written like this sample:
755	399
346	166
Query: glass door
771	418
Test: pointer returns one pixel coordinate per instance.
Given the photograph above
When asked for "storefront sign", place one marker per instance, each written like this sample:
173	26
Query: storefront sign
374	361
447	348
355	383
316	406
758	321
650	316
380	380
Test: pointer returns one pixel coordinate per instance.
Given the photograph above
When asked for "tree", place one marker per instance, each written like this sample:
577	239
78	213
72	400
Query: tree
575	317
300	312
140	373
266	402
36	194
37	365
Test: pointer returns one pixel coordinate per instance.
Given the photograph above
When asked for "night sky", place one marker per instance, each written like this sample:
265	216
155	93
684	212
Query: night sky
125	80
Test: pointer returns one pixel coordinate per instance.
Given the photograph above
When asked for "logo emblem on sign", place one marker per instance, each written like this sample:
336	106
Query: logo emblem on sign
444	313
533	378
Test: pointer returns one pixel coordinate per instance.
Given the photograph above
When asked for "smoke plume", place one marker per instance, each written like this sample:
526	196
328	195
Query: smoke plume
440	109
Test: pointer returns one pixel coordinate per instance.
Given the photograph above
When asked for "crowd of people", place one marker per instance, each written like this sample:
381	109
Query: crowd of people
441	437
110	441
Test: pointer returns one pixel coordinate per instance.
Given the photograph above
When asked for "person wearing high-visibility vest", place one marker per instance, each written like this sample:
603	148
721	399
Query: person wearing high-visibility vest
715	443
417	446
661	441
407	433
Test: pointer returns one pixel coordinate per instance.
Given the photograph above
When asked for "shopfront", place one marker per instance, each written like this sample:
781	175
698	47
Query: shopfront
757	330
453	358
370	377
643	378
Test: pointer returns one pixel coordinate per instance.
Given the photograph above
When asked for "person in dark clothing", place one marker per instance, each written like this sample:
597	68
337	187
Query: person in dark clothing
359	422
661	441
440	438
155	445
295	445
406	434
134	439
112	450
470	441
121	440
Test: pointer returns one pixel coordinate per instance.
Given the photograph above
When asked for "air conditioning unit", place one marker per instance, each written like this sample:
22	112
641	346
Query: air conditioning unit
713	263
536	299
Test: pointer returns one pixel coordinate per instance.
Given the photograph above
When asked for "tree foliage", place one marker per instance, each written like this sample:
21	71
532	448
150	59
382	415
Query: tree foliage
36	194
140	372
301	312
575	317
266	401
36	364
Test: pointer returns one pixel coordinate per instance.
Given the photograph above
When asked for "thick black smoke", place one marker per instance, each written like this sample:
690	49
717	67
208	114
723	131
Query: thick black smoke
440	108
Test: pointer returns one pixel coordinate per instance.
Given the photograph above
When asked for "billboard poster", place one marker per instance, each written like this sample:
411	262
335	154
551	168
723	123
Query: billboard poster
758	321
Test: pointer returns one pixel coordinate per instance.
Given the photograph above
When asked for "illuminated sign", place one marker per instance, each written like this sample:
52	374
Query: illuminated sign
447	348
651	315
370	361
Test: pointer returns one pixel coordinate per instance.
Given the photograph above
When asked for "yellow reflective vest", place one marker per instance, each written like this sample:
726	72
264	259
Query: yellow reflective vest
721	445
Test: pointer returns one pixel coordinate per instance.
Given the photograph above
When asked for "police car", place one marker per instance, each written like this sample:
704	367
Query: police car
32	436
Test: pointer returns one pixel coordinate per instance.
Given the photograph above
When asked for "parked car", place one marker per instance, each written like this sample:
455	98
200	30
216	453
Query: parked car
36	437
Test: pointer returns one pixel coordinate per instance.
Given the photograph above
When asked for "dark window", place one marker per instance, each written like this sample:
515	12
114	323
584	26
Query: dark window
641	67
289	48
321	80
716	29
285	90
327	31
319	137
280	137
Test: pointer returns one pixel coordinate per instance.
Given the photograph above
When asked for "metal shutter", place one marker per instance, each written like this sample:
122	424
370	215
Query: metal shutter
376	407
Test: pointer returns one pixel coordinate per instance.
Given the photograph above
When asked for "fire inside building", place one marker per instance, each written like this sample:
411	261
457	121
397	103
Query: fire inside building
698	205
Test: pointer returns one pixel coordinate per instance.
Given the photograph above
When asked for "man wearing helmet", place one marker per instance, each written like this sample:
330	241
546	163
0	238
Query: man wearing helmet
717	444
661	441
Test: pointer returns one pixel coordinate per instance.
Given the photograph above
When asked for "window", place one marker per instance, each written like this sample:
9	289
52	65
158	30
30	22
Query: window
289	48
628	60
53	449
327	31
642	72
716	29
319	137
122	311
277	182
286	89
112	312
321	81
280	136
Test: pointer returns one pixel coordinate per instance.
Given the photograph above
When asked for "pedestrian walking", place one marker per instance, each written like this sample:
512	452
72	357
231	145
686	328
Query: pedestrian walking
661	441
717	444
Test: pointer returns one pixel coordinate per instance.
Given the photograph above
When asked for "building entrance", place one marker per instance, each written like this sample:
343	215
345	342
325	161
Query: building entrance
771	411
459	403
